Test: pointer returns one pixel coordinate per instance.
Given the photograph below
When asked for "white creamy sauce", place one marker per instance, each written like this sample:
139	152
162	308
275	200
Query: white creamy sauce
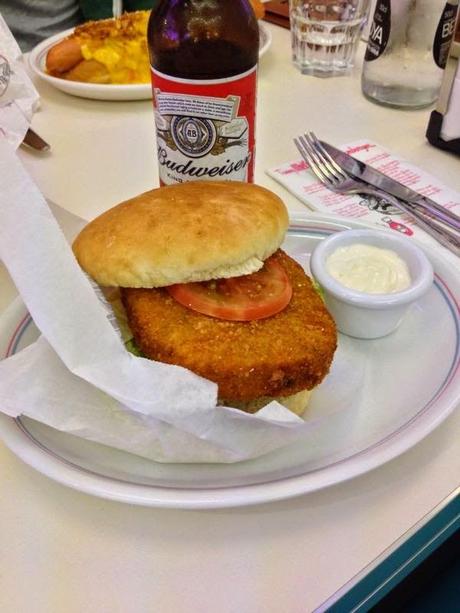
369	269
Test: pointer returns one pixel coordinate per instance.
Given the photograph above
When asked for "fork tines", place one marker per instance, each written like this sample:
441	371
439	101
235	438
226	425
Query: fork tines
324	167
321	163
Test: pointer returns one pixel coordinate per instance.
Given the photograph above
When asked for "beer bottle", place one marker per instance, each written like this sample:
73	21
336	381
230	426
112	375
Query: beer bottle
407	51
203	55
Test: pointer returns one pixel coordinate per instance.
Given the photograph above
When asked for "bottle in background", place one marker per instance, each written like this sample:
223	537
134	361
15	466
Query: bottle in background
204	55
407	50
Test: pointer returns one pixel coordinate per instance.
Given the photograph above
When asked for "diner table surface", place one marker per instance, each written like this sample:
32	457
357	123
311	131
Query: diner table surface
63	550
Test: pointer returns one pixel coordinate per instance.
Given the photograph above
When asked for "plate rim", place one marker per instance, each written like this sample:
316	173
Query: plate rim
35	455
108	91
268	38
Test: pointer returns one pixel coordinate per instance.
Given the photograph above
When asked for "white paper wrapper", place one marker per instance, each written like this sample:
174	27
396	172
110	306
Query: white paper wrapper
18	97
79	378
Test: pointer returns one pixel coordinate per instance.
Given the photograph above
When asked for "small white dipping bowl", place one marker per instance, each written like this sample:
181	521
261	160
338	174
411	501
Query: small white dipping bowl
364	315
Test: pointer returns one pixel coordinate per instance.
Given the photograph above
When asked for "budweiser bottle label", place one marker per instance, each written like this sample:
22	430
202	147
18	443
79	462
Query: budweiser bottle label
205	129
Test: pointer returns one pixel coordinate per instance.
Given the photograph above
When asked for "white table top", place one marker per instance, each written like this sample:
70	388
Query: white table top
66	551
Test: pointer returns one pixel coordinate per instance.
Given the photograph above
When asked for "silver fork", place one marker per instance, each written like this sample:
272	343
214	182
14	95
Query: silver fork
338	180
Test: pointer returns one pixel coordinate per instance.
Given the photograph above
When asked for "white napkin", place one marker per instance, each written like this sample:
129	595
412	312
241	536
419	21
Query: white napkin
18	97
79	378
450	129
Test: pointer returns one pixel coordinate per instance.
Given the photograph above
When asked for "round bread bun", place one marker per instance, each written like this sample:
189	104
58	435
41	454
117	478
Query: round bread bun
194	231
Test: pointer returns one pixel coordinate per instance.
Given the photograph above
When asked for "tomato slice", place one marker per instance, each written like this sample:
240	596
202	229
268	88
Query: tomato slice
256	296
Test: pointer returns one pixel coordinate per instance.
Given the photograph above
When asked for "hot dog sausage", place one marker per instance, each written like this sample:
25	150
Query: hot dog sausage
63	56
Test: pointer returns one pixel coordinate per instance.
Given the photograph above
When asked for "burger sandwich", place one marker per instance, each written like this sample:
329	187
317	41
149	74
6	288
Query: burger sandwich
205	285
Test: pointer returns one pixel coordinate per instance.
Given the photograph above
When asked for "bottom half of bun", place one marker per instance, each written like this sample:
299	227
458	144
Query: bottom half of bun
297	403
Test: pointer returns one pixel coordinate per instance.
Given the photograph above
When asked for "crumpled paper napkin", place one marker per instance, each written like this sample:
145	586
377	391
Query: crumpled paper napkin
18	97
79	378
450	129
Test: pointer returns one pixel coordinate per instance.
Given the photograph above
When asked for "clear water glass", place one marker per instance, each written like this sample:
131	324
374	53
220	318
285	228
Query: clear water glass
325	34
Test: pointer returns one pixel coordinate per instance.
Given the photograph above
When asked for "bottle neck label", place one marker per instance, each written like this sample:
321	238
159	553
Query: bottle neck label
380	31
205	128
444	34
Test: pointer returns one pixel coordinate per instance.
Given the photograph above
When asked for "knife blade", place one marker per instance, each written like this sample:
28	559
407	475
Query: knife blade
33	140
370	175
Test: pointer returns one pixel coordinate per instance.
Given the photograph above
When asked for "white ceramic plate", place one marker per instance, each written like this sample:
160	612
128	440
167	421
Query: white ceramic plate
265	38
96	91
411	384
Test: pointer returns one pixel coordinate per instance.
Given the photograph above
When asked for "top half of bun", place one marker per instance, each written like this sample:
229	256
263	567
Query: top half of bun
195	231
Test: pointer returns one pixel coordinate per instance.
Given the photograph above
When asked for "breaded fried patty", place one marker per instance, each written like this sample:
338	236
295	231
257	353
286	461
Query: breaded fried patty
278	356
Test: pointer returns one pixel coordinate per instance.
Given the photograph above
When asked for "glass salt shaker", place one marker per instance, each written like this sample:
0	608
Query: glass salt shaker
407	51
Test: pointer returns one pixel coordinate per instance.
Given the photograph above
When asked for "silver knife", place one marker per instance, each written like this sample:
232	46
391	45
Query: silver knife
33	140
377	179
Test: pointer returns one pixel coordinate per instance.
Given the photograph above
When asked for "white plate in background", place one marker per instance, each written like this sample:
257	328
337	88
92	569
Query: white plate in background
96	91
265	39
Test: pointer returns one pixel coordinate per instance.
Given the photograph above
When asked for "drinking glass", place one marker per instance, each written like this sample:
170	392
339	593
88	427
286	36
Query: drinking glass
325	34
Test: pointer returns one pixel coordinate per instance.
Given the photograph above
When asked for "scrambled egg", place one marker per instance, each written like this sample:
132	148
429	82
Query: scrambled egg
120	45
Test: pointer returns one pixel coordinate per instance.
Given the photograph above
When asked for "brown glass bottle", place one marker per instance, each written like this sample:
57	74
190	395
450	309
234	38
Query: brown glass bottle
204	56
